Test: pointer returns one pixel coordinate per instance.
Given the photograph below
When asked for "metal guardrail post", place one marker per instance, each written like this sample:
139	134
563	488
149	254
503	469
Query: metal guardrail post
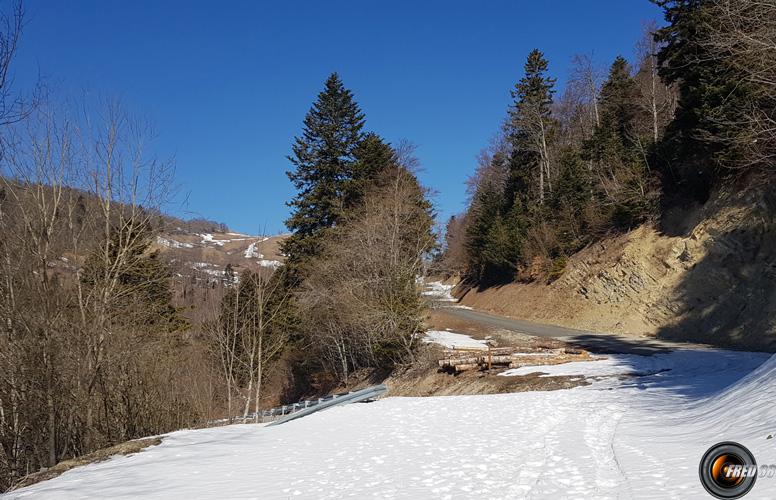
336	400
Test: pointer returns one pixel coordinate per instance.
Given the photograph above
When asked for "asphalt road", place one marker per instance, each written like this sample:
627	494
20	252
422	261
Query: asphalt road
592	341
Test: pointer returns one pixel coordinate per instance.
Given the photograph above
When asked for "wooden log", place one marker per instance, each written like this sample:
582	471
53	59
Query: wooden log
467	350
463	368
533	355
477	359
459	361
502	350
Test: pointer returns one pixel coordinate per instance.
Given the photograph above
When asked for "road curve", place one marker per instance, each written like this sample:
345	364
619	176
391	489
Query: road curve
592	341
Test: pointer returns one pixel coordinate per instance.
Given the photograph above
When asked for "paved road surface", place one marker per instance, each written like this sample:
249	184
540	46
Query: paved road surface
592	341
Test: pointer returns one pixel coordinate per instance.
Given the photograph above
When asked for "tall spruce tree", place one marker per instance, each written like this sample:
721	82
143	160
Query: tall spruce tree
323	157
530	129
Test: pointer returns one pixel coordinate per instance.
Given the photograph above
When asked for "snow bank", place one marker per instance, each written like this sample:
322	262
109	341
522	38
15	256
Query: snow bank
452	340
602	366
641	437
251	252
208	268
208	238
439	291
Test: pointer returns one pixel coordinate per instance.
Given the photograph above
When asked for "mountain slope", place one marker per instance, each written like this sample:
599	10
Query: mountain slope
205	255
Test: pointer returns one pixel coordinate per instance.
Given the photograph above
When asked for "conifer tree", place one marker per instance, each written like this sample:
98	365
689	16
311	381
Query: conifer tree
619	151
323	157
492	238
229	276
142	280
530	127
614	138
713	100
372	157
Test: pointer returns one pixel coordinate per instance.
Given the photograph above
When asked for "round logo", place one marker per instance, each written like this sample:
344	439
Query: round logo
728	470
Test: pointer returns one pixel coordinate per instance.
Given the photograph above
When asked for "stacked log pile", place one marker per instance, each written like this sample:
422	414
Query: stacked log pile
486	358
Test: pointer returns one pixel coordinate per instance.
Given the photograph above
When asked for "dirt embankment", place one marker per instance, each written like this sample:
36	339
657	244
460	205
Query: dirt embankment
423	376
704	275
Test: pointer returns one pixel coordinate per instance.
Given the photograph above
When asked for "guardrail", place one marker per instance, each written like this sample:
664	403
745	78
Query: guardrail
304	408
281	414
285	413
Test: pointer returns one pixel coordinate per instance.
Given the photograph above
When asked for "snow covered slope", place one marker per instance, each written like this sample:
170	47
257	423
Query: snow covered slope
634	437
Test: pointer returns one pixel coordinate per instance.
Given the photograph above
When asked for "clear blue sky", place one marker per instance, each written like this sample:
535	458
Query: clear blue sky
227	84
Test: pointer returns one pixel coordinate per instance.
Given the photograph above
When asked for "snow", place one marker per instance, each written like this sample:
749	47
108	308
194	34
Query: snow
270	263
172	243
208	238
439	291
251	252
633	437
452	340
603	366
207	267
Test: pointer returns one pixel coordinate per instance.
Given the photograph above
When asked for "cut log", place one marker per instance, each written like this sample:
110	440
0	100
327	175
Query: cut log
463	368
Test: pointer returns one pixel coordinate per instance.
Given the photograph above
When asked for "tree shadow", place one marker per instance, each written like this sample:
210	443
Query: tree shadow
673	368
602	343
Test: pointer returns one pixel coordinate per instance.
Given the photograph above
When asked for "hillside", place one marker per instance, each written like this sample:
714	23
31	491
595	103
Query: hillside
703	274
205	255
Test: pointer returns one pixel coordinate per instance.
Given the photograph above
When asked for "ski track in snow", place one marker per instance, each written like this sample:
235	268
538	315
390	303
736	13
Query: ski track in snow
619	438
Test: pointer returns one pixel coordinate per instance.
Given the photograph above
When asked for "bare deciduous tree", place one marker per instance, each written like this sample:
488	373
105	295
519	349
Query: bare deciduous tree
89	340
585	81
742	34
362	306
659	100
247	334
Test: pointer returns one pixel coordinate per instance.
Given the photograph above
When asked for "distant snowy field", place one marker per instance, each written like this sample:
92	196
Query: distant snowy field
621	437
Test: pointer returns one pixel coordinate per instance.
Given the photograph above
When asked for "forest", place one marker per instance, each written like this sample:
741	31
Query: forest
621	144
97	347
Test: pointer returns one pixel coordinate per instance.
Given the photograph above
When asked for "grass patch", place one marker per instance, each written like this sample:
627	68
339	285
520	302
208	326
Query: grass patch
126	448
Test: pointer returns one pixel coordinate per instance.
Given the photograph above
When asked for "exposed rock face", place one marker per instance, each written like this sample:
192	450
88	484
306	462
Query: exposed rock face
729	294
708	276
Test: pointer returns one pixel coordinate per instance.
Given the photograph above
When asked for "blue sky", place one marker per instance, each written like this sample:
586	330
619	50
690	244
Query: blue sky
227	84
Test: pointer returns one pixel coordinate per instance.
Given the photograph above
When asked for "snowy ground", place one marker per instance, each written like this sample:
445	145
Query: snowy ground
439	291
632	437
452	340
